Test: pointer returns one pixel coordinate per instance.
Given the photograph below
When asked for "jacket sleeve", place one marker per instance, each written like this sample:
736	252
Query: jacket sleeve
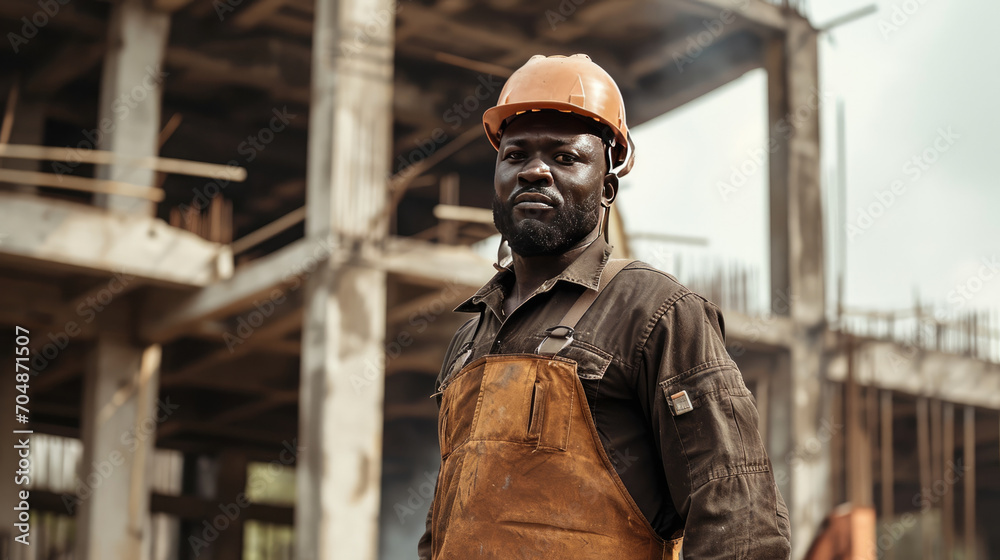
464	334
716	467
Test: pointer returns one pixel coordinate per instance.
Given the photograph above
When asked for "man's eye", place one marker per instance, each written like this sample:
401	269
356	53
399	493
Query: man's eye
565	158
515	155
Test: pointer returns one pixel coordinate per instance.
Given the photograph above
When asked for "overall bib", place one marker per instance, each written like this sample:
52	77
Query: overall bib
523	472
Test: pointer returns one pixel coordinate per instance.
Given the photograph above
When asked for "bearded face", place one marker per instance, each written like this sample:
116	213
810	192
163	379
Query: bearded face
549	183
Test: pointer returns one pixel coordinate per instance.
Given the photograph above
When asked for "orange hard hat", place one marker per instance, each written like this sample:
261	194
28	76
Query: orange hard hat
573	84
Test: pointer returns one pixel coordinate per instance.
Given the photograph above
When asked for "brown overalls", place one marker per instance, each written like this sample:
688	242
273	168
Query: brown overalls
523	472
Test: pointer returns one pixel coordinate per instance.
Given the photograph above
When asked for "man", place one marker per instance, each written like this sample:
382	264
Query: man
590	409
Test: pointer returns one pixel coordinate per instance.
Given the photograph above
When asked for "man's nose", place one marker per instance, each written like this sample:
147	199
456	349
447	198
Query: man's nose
535	171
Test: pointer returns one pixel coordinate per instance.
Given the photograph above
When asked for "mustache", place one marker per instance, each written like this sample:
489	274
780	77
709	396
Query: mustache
551	192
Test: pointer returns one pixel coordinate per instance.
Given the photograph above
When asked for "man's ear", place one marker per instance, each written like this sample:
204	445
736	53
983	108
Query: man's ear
610	190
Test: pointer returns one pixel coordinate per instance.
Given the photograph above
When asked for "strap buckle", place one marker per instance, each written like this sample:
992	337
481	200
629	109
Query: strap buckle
557	338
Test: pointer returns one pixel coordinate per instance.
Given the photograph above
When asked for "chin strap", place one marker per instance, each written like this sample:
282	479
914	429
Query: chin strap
505	257
628	156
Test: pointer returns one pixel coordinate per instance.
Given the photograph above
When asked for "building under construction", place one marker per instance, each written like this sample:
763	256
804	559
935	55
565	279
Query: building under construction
232	233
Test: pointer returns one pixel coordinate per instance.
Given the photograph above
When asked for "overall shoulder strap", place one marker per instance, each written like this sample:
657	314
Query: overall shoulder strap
561	335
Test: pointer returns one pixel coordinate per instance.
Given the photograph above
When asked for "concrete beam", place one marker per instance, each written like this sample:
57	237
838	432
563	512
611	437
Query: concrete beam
67	236
255	281
948	377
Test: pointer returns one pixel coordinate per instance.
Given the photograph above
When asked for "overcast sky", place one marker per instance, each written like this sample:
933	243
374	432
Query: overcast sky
924	84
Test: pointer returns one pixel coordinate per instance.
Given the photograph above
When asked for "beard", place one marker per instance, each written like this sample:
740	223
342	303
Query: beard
531	237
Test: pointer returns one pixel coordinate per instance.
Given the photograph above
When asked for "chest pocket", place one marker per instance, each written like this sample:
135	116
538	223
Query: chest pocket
591	361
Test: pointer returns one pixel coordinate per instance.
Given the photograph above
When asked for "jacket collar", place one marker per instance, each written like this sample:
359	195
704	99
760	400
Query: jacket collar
585	270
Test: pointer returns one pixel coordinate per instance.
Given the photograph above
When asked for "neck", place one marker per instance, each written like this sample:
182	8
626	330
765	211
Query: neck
532	272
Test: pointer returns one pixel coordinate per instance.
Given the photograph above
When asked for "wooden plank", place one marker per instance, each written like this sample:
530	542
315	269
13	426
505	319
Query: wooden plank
444	299
231	484
68	64
85	184
249	410
261	235
888	478
103	157
449	196
273	328
202	68
259	11
399	182
757	12
937	444
969	519
196	509
474	65
948	500
924	454
464	214
211	431
8	114
291	24
170	6
838	453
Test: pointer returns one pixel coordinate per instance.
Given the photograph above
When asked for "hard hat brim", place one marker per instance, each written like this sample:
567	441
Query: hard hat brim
494	117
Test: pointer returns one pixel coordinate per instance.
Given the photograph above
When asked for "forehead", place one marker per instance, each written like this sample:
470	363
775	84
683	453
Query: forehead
549	125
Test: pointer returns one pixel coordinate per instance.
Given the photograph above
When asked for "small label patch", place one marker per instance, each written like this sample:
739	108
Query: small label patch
682	403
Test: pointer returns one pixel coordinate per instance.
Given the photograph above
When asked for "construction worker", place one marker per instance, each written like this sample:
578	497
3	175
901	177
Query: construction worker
590	408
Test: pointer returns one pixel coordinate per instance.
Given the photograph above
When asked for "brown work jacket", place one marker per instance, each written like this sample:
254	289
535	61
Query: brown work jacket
701	473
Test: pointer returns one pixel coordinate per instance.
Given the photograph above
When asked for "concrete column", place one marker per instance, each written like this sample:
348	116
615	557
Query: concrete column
342	379
128	121
801	452
121	380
